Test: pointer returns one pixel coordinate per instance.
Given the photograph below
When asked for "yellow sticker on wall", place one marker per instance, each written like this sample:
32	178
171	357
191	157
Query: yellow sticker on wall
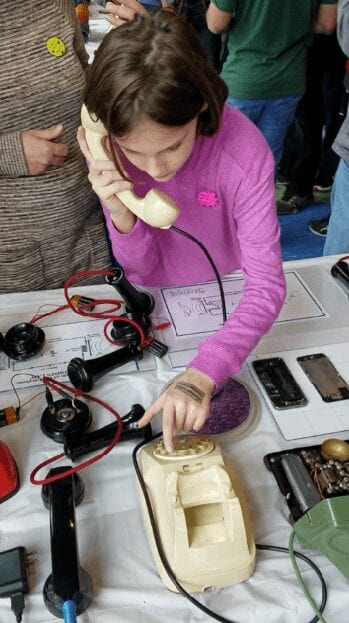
55	46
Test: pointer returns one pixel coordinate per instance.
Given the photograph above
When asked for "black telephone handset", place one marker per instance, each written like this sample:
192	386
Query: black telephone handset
156	208
68	581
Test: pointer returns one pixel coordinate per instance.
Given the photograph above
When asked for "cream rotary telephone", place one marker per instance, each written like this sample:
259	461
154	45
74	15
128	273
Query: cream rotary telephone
156	208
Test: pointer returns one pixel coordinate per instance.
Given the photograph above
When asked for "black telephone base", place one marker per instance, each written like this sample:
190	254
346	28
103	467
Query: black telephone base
64	417
82	598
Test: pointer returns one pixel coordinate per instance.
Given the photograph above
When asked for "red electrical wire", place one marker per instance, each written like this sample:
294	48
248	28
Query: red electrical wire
108	314
53	311
55	385
163	325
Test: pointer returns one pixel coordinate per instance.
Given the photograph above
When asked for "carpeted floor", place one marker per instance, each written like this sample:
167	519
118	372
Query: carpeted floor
297	241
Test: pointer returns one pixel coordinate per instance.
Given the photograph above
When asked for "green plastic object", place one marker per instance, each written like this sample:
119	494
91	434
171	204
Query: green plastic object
325	527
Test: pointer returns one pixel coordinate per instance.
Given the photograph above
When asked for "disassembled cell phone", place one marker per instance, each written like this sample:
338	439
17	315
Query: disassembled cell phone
324	376
280	385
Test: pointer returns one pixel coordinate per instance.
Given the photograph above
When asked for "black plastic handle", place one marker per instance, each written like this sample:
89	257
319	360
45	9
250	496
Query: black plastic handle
83	374
64	547
76	446
135	301
67	580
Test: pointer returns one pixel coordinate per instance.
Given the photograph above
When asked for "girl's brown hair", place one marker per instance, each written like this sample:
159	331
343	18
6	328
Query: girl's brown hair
154	67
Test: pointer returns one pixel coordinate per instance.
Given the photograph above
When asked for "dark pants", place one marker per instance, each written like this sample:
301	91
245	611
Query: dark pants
307	152
194	11
211	43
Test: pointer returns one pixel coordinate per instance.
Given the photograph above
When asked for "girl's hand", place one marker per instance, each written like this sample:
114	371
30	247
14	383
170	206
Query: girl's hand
118	13
185	405
106	182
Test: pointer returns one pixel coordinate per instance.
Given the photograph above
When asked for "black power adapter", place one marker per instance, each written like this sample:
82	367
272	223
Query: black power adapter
14	579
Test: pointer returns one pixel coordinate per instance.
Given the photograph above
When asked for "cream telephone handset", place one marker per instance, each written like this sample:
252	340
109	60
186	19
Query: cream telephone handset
156	208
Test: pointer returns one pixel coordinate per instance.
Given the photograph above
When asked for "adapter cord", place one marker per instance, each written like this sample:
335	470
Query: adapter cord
14	579
182	590
17	606
69	611
300	578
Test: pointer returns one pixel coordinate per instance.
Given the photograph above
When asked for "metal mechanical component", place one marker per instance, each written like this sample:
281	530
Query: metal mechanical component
330	475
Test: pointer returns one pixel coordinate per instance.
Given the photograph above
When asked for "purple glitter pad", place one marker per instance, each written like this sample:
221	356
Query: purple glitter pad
230	406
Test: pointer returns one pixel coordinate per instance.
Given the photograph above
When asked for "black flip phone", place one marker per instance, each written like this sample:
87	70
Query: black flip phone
279	383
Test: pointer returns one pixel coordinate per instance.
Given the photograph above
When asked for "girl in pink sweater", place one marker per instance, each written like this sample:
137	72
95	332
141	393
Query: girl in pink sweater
153	88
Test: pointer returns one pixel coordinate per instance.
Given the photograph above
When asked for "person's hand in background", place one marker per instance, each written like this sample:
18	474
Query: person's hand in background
42	150
117	13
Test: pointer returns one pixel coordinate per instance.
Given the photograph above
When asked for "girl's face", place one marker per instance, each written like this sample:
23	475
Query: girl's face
157	149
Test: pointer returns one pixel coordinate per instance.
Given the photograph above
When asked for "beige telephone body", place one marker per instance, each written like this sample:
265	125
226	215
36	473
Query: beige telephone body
201	514
156	208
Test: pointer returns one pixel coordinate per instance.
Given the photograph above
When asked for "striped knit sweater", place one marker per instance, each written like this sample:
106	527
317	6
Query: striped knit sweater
51	224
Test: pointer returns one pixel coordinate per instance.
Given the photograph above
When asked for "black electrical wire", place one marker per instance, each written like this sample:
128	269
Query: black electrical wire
213	265
169	571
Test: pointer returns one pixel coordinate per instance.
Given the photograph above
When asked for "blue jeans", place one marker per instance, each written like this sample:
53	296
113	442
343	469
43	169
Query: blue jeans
337	239
272	116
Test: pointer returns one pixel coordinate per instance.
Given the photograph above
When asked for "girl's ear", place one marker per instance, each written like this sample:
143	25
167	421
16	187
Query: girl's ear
204	107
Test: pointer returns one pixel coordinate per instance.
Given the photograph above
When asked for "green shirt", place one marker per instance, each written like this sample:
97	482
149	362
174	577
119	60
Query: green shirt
267	46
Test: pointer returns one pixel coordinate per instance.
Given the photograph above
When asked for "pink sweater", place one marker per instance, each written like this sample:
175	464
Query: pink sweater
225	192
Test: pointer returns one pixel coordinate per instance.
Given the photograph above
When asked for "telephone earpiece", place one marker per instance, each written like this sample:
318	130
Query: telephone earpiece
156	208
22	341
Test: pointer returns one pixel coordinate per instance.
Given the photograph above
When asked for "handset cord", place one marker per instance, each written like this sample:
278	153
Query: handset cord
213	265
182	590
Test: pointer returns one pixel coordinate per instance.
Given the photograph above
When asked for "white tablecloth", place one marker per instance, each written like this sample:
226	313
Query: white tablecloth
113	545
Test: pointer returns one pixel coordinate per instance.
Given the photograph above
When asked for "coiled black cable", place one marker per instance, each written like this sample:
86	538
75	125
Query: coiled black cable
213	265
